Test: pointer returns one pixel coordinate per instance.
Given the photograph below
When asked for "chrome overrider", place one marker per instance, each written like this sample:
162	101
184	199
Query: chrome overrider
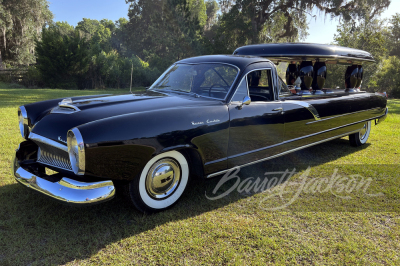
65	190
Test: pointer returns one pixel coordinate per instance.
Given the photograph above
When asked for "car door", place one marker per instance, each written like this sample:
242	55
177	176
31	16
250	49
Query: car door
257	128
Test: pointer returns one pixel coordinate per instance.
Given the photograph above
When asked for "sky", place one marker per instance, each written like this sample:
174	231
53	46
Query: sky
321	30
72	11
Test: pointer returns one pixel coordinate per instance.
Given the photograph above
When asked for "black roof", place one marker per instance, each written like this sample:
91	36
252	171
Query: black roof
285	52
239	61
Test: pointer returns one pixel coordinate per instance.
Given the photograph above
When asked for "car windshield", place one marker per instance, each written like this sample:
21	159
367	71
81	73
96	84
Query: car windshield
208	79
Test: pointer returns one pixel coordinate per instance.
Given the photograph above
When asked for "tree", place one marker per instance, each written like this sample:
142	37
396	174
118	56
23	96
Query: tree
387	77
369	35
249	22
20	23
394	36
164	31
63	58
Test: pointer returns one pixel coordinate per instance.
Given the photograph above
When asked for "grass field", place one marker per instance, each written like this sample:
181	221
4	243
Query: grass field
241	228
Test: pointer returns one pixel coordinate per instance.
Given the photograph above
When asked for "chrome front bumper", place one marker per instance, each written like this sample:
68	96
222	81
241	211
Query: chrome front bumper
65	190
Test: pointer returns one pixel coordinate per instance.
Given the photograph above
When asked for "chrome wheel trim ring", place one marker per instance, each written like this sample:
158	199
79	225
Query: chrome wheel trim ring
363	131
163	178
168	201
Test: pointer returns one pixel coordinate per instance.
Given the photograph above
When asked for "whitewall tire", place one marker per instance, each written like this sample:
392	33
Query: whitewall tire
161	183
361	137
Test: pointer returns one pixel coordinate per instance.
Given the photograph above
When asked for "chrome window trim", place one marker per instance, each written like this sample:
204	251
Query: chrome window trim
283	153
247	86
55	144
267	68
219	99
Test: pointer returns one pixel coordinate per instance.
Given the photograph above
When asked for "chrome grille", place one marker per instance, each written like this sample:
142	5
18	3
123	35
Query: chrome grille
50	154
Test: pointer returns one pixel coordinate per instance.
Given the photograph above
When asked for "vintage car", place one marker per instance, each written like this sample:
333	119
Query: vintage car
202	117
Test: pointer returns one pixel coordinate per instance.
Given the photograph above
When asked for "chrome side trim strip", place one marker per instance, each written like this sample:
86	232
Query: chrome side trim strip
284	153
66	190
336	116
306	105
38	138
291	140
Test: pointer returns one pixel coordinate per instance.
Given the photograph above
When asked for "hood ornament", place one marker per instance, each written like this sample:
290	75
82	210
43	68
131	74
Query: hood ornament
66	101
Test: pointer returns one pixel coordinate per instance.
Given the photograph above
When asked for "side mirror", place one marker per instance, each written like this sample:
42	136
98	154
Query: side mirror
246	101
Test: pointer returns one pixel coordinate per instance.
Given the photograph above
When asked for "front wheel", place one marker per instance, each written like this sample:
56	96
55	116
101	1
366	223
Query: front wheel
161	183
360	138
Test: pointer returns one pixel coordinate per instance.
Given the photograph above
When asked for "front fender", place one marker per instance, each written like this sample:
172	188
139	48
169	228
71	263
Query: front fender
119	147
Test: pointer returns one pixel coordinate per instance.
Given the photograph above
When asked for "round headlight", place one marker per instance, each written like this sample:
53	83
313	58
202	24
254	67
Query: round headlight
23	122
76	151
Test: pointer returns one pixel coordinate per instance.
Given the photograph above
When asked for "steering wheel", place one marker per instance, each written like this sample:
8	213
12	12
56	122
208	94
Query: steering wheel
214	85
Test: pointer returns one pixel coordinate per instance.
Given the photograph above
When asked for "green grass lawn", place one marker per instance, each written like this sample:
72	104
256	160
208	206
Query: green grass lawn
318	228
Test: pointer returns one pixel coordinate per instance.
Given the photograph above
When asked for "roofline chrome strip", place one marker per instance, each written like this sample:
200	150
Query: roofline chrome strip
55	144
283	153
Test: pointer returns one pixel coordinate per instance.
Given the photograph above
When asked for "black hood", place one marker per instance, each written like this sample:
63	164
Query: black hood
56	125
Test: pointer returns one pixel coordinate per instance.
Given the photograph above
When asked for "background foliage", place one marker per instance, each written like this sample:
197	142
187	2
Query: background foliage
101	54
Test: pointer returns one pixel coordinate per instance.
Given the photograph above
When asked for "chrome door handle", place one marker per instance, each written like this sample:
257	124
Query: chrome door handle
278	109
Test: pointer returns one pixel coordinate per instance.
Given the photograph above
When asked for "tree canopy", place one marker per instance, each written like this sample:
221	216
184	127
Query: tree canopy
20	23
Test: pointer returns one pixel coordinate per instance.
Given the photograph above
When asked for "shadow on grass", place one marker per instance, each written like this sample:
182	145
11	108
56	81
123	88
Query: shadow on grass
34	229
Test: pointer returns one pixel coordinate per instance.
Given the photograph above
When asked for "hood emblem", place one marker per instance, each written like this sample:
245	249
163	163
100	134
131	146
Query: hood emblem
60	139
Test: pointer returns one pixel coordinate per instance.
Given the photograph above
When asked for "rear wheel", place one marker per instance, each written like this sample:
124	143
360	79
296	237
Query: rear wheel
360	138
161	183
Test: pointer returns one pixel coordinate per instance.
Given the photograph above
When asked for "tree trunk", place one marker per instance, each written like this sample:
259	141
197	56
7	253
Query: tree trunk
1	62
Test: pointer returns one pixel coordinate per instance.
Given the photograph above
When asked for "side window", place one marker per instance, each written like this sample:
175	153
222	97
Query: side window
241	91
260	85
